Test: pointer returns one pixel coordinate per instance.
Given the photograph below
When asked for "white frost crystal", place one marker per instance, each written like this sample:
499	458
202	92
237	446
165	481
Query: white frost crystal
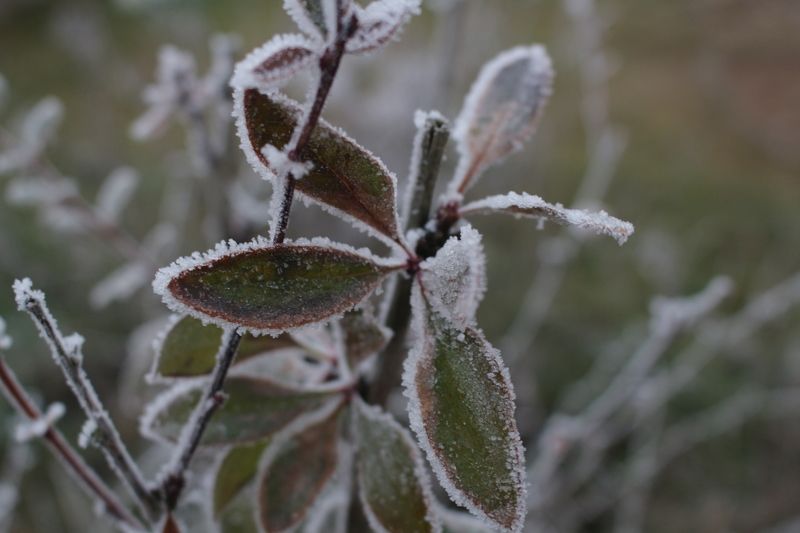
455	278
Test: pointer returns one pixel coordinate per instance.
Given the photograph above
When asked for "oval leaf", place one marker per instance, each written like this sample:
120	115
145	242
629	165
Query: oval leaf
455	278
364	336
393	485
239	516
274	63
531	206
270	288
380	22
254	409
312	16
237	469
295	471
189	348
345	179
461	407
501	111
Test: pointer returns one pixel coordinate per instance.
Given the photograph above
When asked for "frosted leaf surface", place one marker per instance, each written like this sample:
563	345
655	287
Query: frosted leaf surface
265	288
254	409
393	485
363	336
380	22
274	62
346	179
237	469
295	470
501	111
5	340
115	193
461	522
531	206
461	407
188	348
455	278
316	18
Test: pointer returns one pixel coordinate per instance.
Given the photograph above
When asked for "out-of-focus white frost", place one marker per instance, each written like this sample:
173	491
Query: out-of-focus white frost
455	278
5	340
26	431
531	206
116	192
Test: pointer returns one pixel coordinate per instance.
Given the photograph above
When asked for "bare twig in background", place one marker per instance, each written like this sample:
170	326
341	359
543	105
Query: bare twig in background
88	479
572	475
67	352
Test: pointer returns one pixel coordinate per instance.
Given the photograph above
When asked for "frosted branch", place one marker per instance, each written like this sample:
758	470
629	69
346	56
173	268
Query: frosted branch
68	355
87	479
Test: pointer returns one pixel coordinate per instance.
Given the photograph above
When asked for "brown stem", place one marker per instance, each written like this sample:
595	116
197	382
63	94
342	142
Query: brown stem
328	66
107	437
90	481
175	480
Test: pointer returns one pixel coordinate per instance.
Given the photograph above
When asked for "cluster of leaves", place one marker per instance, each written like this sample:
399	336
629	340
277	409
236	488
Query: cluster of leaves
295	429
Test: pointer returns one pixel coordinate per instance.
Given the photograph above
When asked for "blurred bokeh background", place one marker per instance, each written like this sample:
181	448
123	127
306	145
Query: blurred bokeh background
679	116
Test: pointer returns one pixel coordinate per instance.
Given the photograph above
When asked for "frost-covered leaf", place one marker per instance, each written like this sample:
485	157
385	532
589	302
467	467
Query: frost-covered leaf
274	63
461	407
461	522
380	22
267	288
189	348
237	469
455	278
317	18
393	485
363	336
240	516
345	179
295	470
531	206
501	111
255	408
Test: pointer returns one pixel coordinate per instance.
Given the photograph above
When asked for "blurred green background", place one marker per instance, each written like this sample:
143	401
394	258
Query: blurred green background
705	91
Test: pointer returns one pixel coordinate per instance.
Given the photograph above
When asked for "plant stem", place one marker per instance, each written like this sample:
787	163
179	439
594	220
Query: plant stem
328	65
175	479
429	145
107	437
174	482
90	481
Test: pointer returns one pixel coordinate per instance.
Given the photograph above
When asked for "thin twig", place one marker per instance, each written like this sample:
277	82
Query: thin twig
89	479
175	478
328	66
106	437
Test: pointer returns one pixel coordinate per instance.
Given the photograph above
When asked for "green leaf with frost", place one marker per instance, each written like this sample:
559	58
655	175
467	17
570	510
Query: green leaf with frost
461	407
266	288
345	179
236	470
255	408
189	348
393	485
295	471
